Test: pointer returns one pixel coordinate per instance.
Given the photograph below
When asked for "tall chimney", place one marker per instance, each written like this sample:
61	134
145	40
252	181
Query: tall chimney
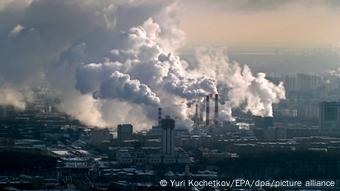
202	106
197	119
159	116
216	109
207	112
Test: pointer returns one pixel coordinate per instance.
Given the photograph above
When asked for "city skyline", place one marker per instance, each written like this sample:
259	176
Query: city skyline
220	95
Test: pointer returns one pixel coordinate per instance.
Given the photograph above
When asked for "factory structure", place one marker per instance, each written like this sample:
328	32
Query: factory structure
165	134
163	152
204	107
168	136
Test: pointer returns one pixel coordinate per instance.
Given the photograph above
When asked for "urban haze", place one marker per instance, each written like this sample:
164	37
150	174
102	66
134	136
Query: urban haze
147	95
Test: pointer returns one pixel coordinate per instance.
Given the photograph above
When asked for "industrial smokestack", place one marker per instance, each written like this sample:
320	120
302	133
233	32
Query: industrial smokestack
207	112
196	116
216	110
159	116
202	106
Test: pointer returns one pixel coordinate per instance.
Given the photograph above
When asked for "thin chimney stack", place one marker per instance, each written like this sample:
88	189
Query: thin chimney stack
216	110
202	106
207	112
197	117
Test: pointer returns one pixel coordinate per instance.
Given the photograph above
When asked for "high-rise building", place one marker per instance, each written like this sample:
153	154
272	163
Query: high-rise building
124	132
168	136
330	115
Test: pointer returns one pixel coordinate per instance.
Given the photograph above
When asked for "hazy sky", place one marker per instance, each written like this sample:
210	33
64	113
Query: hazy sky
261	22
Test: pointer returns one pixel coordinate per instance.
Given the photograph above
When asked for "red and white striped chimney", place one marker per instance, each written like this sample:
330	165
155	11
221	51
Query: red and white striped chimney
159	116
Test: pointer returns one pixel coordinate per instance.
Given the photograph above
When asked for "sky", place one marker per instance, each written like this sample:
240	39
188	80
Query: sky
256	22
261	22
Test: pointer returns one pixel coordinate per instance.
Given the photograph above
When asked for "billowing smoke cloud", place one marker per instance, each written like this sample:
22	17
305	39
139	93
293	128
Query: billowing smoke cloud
120	85
12	97
144	70
255	94
102	56
15	96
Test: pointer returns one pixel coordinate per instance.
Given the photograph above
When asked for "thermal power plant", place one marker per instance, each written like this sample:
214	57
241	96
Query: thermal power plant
204	106
207	111
168	136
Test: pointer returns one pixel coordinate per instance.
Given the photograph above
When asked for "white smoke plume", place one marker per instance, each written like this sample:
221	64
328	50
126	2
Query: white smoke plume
120	86
255	94
14	96
143	71
102	56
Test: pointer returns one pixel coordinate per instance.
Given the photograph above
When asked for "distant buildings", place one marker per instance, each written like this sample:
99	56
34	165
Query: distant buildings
156	130
124	132
100	136
330	115
161	153
7	112
3	112
301	110
308	111
263	122
302	82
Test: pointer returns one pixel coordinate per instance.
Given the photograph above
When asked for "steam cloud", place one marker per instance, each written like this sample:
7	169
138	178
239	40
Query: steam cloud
12	97
103	56
255	94
121	86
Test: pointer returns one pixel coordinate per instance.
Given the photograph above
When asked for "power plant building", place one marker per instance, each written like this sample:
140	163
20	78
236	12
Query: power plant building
168	136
